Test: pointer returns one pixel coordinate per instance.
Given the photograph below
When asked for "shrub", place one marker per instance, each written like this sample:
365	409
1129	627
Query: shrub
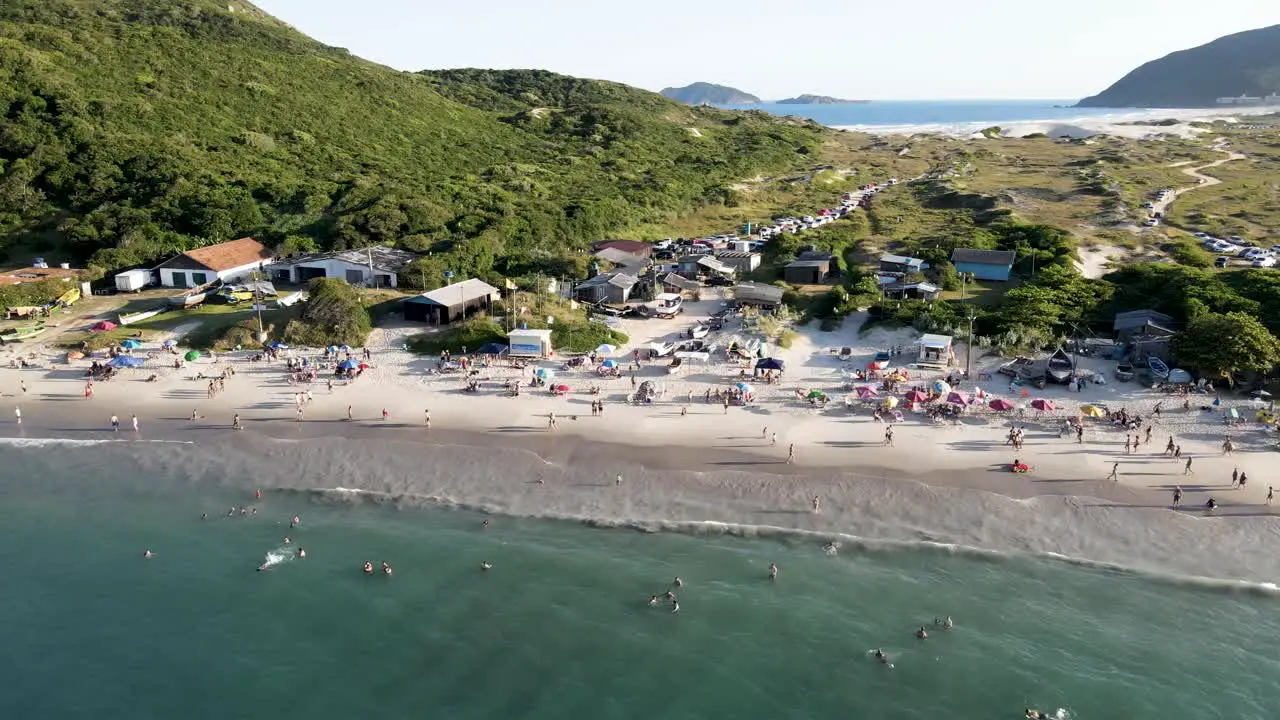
334	315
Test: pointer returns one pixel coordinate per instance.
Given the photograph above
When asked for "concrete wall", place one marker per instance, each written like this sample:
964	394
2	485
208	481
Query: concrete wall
173	277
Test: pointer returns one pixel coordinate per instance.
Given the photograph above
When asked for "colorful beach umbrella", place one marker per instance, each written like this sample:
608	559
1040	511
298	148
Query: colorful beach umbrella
1092	411
1042	405
940	386
606	349
347	364
131	344
167	343
916	396
957	398
866	391
815	394
192	355
363	366
891	402
1000	405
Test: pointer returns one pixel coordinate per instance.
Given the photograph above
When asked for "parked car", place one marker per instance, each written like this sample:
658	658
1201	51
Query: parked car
1265	261
1124	371
1222	261
719	281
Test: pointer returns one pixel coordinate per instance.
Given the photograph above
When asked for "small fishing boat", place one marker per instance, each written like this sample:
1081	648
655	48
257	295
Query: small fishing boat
1158	369
881	361
1059	367
187	300
22	332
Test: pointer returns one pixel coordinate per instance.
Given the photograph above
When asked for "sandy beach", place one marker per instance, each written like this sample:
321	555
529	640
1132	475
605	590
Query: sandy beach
683	461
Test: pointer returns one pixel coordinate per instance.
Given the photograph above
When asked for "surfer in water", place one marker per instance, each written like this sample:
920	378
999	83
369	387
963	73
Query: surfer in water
675	606
263	567
678	582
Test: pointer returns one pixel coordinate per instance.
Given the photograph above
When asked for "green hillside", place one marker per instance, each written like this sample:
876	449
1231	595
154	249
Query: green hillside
136	128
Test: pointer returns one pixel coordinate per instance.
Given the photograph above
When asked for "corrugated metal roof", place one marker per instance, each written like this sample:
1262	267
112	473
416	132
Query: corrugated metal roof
457	293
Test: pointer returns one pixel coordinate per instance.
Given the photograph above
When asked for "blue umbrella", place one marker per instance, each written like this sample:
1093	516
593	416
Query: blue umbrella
609	364
544	373
277	345
167	343
333	348
131	344
345	348
124	361
348	364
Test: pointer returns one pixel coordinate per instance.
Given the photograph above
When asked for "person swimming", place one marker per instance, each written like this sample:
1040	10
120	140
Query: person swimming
1036	715
675	606
485	523
881	657
947	624
368	568
678	582
670	596
486	565
147	554
653	600
921	634
386	568
302	553
773	571
263	567
288	540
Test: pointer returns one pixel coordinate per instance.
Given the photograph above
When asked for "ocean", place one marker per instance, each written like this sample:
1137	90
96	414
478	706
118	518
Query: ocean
967	116
561	625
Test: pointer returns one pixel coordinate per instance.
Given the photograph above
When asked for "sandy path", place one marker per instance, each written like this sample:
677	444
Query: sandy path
1202	179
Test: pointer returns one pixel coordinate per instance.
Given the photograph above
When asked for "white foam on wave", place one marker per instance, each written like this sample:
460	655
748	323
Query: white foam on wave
1082	126
279	555
80	442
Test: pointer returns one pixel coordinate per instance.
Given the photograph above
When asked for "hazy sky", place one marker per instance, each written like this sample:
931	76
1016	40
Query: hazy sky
887	49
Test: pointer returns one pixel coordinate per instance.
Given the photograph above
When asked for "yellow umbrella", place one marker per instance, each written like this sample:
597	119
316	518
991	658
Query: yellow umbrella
891	402
1092	411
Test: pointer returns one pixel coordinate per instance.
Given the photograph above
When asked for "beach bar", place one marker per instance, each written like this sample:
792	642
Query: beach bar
935	350
451	302
529	343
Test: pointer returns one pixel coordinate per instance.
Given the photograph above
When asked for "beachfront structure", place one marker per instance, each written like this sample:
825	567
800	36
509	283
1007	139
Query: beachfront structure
984	264
676	284
610	287
37	271
758	295
529	343
807	272
910	291
935	350
375	266
1134	323
229	261
627	262
634	247
901	264
741	262
451	303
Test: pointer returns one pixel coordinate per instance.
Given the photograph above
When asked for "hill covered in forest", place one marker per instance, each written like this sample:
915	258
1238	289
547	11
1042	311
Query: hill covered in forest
132	129
701	93
1245	63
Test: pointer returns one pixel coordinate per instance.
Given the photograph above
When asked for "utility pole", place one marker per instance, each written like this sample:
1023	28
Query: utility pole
968	355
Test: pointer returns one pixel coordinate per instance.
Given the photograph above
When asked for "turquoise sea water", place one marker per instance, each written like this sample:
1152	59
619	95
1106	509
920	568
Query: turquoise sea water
560	627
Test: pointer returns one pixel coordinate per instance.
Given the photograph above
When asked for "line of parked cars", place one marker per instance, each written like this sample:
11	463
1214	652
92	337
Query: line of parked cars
1238	248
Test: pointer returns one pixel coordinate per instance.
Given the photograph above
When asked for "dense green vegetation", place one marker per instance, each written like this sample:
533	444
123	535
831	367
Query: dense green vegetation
334	315
133	129
1225	345
1241	63
702	93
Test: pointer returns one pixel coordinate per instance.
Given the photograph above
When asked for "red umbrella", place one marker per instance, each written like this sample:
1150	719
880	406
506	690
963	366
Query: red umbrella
1042	404
957	398
363	366
1000	405
104	325
916	396
866	391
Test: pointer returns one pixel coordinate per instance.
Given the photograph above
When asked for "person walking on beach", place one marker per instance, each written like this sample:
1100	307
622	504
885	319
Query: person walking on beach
1186	469
551	420
888	436
1148	440
1270	494
299	414
384	414
348	413
791	453
115	423
235	422
426	418
1235	477
617	482
134	419
1227	446
764	432
1244	478
1177	452
1115	472
1126	444
23	384
817	505
773	440
1177	496
330	383
726	404
1169	447
1080	434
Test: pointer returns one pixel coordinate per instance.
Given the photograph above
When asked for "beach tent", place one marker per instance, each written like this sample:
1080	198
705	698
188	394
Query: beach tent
916	396
103	326
940	386
344	348
1178	375
347	365
1000	405
606	350
743	387
363	366
1042	405
957	398
131	344
126	361
1092	411
866	391
769	364
545	373
609	364
333	349
192	355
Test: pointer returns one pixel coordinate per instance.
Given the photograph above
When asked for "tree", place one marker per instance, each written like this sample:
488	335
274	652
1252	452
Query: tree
1223	345
333	315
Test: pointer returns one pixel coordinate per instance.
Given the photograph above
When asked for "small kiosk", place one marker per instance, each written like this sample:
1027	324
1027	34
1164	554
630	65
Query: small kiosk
935	351
529	343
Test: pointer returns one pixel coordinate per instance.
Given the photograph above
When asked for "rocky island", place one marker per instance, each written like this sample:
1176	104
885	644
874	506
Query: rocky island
819	100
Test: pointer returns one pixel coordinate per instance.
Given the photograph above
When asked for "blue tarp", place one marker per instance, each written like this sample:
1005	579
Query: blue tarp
124	361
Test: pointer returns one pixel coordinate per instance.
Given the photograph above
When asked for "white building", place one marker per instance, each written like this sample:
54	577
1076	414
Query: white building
229	261
375	266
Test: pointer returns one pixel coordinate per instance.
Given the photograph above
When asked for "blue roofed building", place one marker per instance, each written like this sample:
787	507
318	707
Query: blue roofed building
984	264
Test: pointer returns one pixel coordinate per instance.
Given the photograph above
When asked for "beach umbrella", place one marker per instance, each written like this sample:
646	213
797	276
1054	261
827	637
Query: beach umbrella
769	364
347	364
1092	411
561	388
606	349
103	325
333	348
1000	405
916	396
167	343
1231	413
891	402
815	394
545	373
743	387
609	364
192	355
126	361
363	366
1042	405
941	387
131	344
957	398
1179	376
866	391
344	348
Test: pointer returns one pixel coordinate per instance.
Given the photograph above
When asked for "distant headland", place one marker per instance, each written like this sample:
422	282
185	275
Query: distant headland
820	100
